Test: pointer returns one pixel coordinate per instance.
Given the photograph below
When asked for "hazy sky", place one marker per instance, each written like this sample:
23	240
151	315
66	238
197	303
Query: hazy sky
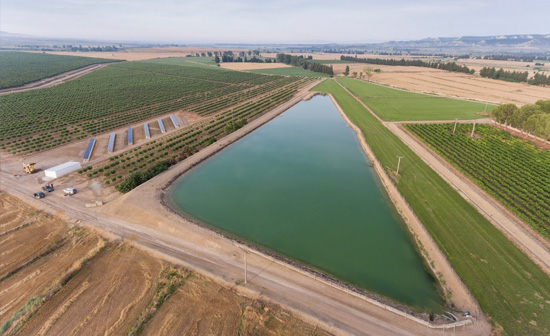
280	21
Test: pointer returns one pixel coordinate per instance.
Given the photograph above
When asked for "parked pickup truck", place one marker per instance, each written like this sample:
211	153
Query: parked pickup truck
69	191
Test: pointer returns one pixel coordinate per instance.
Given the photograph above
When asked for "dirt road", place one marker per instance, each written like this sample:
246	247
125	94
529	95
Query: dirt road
525	240
55	80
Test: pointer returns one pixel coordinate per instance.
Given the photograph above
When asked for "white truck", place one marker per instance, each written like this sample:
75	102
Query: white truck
69	191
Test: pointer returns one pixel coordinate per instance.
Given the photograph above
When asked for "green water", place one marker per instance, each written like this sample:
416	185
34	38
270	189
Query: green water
302	186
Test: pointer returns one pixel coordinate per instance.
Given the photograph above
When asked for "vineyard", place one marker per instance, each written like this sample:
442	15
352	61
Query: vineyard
20	68
133	167
512	170
119	95
398	105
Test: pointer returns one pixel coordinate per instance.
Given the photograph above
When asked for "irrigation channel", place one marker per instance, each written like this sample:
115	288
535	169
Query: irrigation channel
302	187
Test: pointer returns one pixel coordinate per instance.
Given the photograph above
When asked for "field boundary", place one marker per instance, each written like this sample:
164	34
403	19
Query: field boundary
424	241
525	232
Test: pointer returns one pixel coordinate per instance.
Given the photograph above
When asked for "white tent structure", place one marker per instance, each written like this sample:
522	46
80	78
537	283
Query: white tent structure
62	169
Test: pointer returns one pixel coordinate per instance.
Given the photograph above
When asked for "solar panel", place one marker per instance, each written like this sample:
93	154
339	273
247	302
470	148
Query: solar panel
147	132
89	149
130	136
174	121
161	125
111	145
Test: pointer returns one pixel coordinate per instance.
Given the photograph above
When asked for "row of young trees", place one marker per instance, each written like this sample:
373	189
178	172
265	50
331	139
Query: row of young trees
449	66
511	76
307	64
531	118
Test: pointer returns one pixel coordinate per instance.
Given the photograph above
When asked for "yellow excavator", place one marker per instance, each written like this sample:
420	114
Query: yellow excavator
28	167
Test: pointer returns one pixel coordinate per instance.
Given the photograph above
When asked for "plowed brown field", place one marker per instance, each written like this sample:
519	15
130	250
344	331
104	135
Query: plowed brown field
202	307
88	286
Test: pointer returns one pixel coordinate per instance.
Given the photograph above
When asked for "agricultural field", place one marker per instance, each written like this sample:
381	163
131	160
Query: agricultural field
398	105
186	61
20	68
289	71
130	168
511	289
113	97
83	282
510	169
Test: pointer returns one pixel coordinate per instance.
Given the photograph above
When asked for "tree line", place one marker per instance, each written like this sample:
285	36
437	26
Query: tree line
250	56
449	66
531	118
510	76
307	64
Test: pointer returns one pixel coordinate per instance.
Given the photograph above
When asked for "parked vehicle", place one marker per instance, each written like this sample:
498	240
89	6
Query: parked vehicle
48	187
39	195
69	191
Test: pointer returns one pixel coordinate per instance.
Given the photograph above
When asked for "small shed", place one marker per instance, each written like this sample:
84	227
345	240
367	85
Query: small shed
62	169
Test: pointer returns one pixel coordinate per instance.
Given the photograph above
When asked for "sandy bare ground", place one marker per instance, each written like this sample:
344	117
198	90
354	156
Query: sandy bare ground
55	80
241	66
139	215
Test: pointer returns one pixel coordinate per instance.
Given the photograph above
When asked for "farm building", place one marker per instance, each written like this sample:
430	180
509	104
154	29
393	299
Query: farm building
62	169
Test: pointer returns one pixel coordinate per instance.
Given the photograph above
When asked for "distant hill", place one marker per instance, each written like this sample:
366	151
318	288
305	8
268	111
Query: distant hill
534	41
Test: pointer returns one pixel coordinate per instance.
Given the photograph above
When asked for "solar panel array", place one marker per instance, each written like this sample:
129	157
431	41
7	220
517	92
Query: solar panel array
130	136
161	125
111	145
89	150
174	121
147	131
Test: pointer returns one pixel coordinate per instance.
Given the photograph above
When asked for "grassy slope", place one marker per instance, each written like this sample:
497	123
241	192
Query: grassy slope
404	105
292	71
510	288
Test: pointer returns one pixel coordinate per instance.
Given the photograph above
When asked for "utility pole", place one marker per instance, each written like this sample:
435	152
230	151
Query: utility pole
398	163
473	129
456	122
485	111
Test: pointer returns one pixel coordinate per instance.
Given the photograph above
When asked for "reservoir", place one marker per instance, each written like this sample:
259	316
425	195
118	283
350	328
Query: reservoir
301	186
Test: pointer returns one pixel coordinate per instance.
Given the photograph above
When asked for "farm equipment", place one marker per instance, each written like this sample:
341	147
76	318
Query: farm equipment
28	167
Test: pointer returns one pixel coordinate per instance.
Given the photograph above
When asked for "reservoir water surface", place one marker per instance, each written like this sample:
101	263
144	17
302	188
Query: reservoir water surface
302	187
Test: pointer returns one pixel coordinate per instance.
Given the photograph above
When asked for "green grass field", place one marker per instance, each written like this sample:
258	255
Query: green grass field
292	71
398	105
510	288
19	68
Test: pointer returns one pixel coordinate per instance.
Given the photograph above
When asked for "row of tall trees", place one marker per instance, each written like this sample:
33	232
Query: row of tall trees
250	56
510	76
531	118
540	78
449	66
300	61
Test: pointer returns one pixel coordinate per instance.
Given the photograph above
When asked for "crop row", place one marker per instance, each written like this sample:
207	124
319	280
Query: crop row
19	68
512	170
88	106
121	170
